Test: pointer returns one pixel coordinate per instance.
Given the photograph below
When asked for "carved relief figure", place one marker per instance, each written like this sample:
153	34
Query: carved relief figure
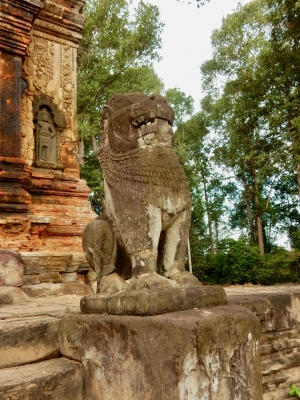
147	202
46	135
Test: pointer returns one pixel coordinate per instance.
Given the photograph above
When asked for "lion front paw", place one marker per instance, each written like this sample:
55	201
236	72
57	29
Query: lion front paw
149	280
112	283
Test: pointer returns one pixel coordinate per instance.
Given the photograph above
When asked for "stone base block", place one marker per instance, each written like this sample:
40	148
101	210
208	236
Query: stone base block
154	301
58	379
207	354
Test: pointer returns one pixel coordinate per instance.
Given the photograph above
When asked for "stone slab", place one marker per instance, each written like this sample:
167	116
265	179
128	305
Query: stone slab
211	353
276	341
36	262
51	277
31	279
56	289
57	379
55	306
277	307
26	340
154	301
281	307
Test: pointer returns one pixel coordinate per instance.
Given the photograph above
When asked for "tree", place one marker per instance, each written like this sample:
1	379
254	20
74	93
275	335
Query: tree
284	59
118	48
209	192
182	104
237	84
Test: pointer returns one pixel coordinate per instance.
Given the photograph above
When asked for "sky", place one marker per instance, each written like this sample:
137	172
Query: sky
186	41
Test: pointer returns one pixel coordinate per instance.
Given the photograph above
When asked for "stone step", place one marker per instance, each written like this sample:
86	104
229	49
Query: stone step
28	339
56	379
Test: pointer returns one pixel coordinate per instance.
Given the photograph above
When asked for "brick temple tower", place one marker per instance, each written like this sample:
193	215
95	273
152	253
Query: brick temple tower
43	201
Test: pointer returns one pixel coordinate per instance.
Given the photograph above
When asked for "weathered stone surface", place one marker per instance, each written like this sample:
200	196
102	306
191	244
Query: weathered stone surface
278	310
31	279
57	289
26	340
17	19
6	298
37	262
51	276
154	301
260	306
42	208
77	263
282	303
58	379
16	293
69	276
210	353
54	306
11	268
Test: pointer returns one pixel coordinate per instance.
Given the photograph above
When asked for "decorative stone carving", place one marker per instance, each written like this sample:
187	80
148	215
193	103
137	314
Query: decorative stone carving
27	128
49	121
46	136
147	202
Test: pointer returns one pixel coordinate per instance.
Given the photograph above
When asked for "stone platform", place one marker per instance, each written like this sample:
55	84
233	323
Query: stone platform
30	332
211	353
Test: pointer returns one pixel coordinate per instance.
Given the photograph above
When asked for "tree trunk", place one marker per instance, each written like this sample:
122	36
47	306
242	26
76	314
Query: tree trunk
298	180
258	218
80	151
217	234
211	239
249	215
94	144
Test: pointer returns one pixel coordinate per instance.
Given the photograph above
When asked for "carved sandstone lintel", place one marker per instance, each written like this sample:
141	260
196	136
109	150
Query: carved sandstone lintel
16	18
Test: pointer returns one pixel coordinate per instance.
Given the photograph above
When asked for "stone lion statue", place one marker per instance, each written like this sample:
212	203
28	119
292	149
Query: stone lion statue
145	224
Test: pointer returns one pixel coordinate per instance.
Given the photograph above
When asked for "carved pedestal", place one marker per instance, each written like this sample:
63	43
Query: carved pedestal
210	353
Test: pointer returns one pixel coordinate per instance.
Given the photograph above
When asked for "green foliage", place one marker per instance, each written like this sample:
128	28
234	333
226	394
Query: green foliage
182	104
252	106
93	175
294	390
237	262
118	47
